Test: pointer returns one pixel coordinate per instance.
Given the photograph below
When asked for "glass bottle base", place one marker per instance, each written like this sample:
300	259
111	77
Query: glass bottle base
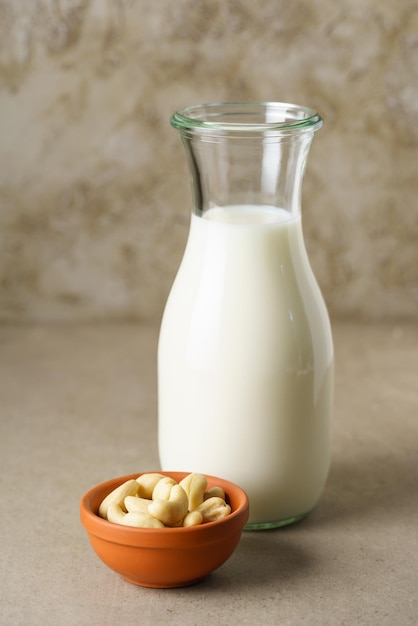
276	524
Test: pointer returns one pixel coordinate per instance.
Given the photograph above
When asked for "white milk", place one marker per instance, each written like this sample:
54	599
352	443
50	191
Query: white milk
245	362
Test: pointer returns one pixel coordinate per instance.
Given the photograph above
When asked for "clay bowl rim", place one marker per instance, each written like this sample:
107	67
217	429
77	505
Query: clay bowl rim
161	537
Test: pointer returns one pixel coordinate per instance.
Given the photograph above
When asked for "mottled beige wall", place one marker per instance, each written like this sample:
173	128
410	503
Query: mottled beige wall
94	191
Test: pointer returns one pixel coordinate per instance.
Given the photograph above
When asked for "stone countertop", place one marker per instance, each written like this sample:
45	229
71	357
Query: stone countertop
78	406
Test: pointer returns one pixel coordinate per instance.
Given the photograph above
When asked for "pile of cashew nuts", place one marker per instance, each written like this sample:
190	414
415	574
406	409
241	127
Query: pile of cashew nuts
157	501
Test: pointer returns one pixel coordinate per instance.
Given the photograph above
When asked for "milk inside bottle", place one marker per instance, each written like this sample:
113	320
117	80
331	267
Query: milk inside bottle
245	357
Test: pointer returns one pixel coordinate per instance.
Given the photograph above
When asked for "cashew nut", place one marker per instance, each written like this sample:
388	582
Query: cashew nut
147	483
162	489
193	518
115	513
194	485
213	509
214	492
118	495
171	511
139	519
133	503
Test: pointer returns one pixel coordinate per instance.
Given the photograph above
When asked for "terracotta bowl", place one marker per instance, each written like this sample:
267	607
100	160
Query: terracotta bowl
164	557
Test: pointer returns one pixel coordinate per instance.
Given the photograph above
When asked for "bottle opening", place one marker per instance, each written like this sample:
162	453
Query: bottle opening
246	118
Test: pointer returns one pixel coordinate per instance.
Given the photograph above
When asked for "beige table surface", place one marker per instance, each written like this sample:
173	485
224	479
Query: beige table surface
78	406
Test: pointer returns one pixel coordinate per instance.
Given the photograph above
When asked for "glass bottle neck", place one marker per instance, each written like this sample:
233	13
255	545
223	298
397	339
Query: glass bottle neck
250	154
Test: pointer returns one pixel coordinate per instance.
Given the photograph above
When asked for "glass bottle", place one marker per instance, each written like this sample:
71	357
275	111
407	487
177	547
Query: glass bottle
245	356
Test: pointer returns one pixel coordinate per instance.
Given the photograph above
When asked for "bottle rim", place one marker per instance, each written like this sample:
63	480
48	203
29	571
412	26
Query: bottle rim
246	117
